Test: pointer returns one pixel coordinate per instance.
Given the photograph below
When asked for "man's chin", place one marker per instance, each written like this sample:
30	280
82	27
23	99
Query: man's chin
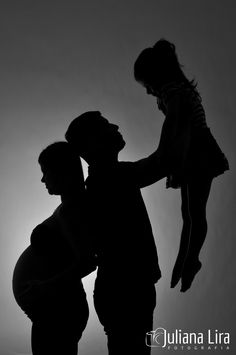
52	192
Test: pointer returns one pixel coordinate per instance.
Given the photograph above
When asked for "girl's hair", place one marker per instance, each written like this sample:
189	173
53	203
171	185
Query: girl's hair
60	158
159	65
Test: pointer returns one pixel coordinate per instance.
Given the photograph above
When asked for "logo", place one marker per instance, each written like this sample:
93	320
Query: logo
178	339
156	338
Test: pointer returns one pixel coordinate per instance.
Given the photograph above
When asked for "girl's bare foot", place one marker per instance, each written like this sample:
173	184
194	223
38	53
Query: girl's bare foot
177	271
189	273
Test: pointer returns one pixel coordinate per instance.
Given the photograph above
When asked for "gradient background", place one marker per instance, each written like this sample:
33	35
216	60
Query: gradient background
60	58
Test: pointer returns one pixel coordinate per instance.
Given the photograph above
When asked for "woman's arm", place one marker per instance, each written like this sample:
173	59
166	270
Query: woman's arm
44	288
74	272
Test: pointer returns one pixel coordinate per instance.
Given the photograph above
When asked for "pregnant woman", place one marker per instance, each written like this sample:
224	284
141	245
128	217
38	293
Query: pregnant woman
47	276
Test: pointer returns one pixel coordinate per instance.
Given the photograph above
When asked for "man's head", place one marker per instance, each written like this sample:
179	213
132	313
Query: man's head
94	138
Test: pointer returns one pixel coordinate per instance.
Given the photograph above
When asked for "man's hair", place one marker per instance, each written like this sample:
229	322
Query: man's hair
81	126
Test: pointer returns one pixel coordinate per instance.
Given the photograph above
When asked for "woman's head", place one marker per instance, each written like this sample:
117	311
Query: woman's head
61	168
157	66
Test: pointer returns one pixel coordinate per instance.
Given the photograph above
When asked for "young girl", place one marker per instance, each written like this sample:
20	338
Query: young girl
189	151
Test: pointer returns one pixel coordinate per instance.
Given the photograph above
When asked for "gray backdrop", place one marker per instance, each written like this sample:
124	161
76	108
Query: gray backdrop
60	58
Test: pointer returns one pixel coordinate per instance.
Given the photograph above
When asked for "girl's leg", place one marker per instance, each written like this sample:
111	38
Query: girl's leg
185	237
198	193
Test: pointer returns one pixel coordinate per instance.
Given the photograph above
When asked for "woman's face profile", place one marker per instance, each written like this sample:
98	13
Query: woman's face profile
52	181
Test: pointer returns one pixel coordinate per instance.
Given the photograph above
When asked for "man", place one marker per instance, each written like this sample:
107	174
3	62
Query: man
128	269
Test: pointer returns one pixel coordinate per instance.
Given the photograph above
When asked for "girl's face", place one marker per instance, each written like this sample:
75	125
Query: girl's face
151	90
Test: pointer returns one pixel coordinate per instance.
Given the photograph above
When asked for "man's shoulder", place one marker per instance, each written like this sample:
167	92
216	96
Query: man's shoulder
101	170
125	165
117	174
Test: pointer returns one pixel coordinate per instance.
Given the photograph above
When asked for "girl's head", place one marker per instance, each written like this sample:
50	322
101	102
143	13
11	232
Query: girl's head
157	66
61	168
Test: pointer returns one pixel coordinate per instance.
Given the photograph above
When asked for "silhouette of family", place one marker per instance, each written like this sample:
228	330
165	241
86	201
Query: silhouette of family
102	223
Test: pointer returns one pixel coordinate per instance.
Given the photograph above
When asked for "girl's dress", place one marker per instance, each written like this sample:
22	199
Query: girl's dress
193	153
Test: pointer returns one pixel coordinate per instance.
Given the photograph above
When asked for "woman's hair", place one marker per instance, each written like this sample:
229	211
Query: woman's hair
60	158
159	65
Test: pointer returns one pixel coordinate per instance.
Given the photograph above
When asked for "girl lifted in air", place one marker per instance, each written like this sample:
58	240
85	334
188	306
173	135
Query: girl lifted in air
187	148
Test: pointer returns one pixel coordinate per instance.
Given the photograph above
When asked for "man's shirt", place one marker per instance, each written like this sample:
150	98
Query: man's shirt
120	224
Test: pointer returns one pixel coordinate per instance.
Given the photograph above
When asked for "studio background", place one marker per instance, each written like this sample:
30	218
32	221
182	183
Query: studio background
61	58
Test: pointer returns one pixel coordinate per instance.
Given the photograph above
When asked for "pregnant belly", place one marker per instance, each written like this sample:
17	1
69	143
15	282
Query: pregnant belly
24	271
30	267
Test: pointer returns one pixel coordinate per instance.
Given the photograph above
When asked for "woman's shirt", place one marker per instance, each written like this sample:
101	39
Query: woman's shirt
49	270
48	242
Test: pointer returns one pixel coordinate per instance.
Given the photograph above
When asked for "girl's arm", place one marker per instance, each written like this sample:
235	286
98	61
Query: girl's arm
176	133
173	146
177	123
